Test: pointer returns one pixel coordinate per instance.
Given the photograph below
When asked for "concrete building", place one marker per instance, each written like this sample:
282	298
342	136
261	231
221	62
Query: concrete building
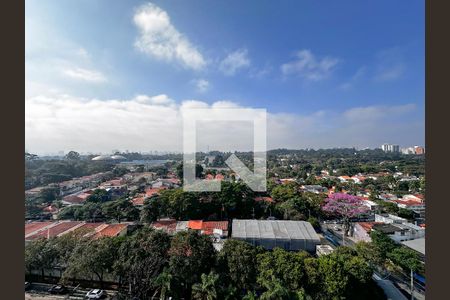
417	245
323	250
396	231
316	189
419	150
289	235
390	148
389	219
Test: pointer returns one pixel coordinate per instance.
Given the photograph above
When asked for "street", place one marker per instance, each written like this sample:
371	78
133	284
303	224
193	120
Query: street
39	291
333	233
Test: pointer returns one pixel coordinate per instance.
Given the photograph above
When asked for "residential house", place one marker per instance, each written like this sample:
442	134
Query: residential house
397	232
316	189
37	230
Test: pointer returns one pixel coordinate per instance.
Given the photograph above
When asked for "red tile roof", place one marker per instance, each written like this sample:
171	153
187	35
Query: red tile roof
367	226
113	182
408	202
195	224
265	199
84	195
167	225
50	209
210	225
138	201
89	226
111	230
32	227
153	191
55	230
174	180
74	199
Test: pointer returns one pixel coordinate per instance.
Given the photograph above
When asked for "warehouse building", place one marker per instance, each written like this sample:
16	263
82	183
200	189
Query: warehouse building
289	235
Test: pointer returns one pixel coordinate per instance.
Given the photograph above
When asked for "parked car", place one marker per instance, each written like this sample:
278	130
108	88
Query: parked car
95	294
57	289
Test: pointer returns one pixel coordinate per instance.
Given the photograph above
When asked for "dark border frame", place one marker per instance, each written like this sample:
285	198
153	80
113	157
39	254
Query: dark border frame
437	108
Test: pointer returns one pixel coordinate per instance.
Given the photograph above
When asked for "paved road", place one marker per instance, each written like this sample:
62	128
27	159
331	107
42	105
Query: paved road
335	237
30	296
38	291
391	291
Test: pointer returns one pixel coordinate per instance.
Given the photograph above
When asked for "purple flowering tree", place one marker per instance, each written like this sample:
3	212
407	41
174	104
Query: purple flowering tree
345	206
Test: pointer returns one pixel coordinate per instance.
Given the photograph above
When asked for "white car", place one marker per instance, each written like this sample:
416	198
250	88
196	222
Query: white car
95	294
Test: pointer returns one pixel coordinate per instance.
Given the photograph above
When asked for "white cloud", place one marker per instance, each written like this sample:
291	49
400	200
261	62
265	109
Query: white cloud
374	113
259	73
202	85
85	74
354	79
143	123
234	61
390	64
309	67
160	39
53	60
388	73
162	99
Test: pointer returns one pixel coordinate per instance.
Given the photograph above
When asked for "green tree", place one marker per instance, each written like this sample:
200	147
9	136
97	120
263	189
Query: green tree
191	254
208	288
152	209
406	258
284	192
142	262
405	213
120	209
72	155
39	255
275	290
282	266
98	196
49	194
238	259
198	171
382	244
94	257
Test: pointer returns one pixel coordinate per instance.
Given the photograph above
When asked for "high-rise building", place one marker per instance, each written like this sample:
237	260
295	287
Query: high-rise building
419	150
390	148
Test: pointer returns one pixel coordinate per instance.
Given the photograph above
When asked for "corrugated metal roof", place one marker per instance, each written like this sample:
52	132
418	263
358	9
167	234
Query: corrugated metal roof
273	229
417	244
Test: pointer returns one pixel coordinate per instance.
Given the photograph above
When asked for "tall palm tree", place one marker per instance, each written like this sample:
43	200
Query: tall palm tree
163	282
207	289
275	290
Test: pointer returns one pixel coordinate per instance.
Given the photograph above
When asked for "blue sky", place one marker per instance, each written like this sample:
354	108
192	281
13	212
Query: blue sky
305	61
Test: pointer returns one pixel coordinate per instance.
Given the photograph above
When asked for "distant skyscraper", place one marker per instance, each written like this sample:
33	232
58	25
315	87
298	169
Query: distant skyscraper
419	150
390	148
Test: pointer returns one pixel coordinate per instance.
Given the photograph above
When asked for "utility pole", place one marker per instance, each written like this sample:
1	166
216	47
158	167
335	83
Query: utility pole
412	285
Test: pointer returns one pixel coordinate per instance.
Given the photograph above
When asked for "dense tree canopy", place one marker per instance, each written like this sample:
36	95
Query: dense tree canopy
150	263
